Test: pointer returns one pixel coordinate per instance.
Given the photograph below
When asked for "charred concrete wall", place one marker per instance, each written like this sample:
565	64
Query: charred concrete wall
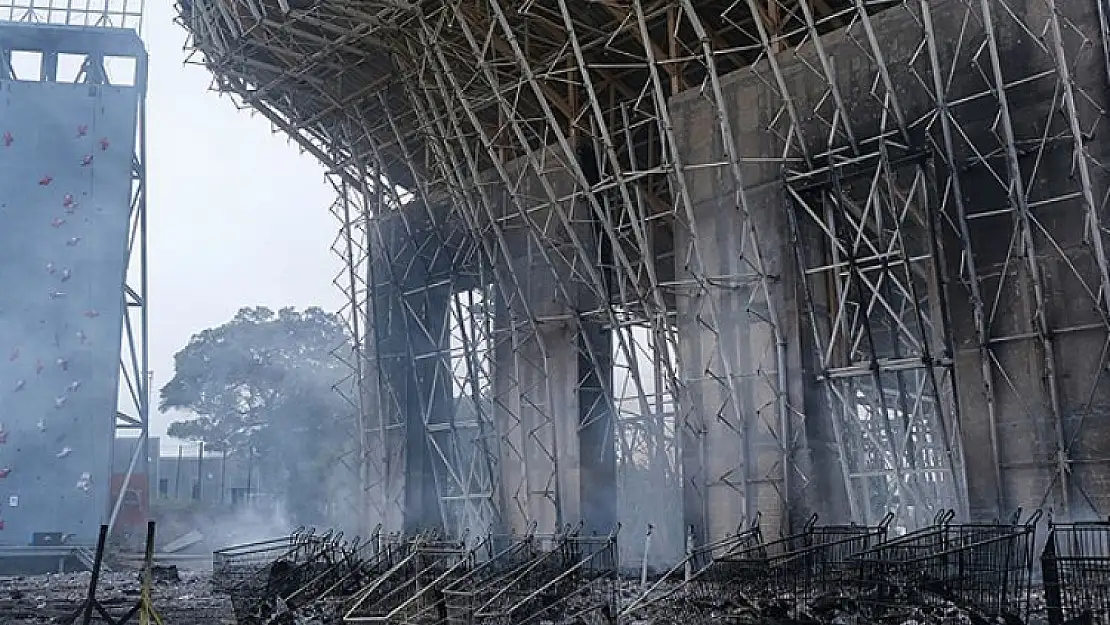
1044	352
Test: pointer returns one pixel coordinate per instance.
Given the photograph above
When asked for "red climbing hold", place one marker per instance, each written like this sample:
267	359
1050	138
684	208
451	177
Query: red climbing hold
5	472
46	180
8	139
82	130
104	144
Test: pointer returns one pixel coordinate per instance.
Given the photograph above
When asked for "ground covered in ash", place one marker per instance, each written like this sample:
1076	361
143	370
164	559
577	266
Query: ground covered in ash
56	599
187	598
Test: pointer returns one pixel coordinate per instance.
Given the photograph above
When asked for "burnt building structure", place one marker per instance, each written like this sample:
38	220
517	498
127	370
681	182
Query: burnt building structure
642	260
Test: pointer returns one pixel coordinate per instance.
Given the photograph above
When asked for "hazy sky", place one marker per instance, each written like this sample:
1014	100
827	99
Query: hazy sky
238	216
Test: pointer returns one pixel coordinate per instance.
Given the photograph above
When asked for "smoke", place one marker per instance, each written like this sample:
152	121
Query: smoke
248	524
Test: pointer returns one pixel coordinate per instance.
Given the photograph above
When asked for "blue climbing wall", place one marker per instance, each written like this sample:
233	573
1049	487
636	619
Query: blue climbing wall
65	185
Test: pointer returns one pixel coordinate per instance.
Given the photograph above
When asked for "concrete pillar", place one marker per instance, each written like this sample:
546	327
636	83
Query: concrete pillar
411	316
557	456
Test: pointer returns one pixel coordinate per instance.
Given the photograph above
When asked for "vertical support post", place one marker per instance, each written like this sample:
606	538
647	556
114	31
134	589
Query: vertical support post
177	475
199	495
94	579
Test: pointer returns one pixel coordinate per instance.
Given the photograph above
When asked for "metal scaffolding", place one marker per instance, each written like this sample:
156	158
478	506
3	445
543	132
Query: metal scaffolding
776	254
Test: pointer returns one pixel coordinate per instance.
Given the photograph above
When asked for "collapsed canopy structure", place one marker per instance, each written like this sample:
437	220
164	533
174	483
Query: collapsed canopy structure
681	262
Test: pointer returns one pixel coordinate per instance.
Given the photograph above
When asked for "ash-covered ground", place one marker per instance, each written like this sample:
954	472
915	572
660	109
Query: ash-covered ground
190	600
56	599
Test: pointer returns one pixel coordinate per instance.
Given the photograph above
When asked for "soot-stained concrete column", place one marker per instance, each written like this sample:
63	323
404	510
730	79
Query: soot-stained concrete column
411	312
552	361
741	323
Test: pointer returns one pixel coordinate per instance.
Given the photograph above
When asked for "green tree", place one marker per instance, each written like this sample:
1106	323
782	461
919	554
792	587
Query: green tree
264	384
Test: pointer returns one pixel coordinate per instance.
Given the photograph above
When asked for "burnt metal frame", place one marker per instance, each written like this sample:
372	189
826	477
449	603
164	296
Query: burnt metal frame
479	87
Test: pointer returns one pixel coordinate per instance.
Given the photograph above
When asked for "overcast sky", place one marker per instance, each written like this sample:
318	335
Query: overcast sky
238	216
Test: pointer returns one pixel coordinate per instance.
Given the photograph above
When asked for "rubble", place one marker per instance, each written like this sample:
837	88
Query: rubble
946	574
57	598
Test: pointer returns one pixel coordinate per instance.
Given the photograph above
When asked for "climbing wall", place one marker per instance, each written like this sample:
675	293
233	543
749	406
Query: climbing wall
65	186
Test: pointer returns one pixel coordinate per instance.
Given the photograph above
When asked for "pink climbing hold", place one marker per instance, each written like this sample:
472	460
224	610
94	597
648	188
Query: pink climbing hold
58	222
104	144
45	181
5	472
91	314
86	160
8	139
82	130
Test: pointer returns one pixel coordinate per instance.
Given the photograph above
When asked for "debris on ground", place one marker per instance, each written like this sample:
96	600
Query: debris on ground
57	598
163	574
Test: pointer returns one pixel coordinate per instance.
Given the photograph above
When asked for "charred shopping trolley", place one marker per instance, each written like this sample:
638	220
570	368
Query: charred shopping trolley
506	557
256	598
358	564
799	567
574	582
792	569
239	564
685	593
1075	566
411	591
984	567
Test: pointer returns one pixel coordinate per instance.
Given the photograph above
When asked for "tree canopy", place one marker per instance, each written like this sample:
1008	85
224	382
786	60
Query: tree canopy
264	384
